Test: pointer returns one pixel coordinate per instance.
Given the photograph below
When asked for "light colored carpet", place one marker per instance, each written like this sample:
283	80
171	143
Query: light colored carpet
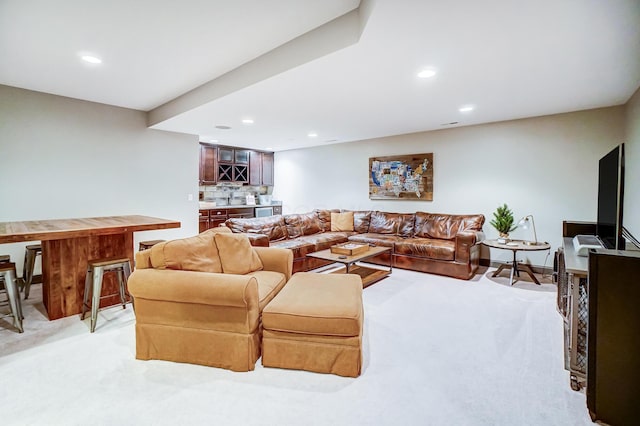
438	351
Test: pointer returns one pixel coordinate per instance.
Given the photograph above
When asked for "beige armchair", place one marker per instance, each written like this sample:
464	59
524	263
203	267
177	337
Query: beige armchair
189	308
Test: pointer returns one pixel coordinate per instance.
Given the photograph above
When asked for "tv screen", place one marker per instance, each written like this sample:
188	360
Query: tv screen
610	198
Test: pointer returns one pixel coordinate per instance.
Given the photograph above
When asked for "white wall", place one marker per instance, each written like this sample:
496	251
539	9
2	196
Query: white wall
64	158
545	166
631	214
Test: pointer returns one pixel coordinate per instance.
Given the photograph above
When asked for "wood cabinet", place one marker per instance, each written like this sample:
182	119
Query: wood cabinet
235	165
212	218
267	168
208	164
261	168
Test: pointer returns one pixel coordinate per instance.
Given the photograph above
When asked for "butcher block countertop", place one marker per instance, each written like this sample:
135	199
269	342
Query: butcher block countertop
56	229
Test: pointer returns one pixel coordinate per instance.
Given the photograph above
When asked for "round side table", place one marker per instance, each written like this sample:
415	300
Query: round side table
515	246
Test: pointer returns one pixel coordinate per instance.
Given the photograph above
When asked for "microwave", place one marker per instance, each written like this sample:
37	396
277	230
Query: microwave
264	211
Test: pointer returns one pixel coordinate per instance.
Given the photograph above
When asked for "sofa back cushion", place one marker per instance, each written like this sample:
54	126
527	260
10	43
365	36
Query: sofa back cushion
400	224
271	226
361	221
198	253
237	256
324	216
302	224
445	226
341	222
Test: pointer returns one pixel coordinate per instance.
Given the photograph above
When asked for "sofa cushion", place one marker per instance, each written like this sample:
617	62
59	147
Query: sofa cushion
236	254
299	248
361	221
269	284
317	304
382	240
271	226
325	240
302	224
444	226
199	253
342	221
324	216
427	248
392	223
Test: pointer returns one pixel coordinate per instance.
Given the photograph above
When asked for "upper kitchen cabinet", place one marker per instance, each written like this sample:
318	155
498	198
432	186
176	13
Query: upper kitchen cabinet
208	166
226	164
261	168
233	165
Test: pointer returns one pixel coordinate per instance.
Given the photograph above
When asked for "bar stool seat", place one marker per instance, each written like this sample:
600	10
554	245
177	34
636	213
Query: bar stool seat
30	254
145	245
8	281
93	284
4	258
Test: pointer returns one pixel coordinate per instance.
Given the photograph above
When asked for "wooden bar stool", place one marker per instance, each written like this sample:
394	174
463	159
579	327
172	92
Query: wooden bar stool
8	282
145	245
93	284
30	254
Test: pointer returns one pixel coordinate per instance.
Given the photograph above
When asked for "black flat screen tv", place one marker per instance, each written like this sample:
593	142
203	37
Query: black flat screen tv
610	198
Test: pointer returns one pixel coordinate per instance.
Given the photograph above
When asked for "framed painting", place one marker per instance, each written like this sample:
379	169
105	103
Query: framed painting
401	177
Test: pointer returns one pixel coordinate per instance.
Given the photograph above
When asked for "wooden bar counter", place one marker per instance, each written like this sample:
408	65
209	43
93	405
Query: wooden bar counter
68	245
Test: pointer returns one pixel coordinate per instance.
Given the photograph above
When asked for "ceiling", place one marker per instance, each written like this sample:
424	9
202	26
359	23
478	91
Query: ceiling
342	69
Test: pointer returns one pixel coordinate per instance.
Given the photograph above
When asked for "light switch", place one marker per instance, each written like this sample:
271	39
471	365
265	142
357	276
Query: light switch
190	197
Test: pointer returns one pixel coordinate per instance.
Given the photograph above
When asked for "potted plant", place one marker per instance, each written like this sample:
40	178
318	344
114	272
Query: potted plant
503	222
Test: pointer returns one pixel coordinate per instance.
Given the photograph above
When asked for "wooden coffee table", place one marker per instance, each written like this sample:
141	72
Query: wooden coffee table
368	275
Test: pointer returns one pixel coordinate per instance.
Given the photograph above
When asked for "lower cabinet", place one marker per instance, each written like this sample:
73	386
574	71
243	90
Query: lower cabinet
211	218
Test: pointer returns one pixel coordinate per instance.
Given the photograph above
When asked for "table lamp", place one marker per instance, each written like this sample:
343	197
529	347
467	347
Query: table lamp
524	222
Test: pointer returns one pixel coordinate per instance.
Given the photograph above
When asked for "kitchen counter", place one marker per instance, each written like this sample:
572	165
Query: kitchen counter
207	205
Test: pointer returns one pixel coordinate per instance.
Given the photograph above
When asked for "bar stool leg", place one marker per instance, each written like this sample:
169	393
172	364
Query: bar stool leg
14	299
88	286
121	281
95	295
27	271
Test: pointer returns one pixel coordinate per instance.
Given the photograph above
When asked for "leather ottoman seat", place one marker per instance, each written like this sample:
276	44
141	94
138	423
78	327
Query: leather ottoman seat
315	324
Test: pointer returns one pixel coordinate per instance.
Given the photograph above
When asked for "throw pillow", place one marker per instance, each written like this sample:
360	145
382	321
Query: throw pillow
342	221
197	253
236	254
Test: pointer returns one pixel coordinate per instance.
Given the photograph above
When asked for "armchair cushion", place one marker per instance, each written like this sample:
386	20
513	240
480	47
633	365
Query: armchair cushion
198	253
236	254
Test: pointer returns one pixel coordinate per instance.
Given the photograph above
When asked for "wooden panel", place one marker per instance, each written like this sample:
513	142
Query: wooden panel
64	266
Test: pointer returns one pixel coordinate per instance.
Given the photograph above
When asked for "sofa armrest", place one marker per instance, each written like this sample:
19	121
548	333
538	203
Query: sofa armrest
276	259
465	241
204	288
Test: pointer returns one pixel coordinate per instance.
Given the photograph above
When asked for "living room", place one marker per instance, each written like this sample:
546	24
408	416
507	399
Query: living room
65	156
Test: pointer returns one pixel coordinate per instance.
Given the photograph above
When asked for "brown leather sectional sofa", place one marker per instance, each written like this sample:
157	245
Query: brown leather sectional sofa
428	242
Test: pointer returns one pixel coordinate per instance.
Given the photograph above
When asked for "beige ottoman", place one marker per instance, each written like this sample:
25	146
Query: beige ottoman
315	324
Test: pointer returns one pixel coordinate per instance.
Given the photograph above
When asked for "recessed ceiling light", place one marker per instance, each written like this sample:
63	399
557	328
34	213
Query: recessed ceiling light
213	140
91	59
221	127
466	108
247	121
427	73
312	134
269	148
